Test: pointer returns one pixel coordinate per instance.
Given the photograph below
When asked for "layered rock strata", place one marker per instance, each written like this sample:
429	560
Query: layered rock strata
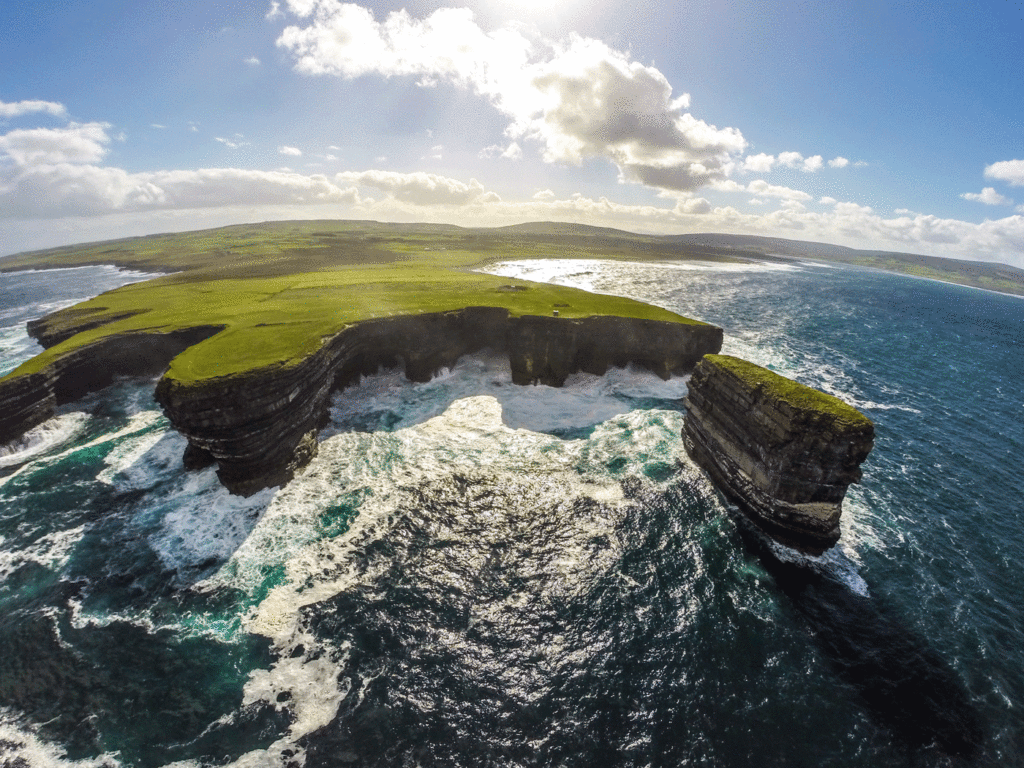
783	452
260	427
28	400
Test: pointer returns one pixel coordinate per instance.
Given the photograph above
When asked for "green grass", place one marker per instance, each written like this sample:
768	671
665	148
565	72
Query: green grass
278	290
797	395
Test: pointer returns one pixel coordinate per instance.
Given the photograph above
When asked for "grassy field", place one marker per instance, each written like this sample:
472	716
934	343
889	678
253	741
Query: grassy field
279	289
286	247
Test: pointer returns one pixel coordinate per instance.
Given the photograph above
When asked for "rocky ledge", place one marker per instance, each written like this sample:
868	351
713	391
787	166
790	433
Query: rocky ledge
260	427
783	452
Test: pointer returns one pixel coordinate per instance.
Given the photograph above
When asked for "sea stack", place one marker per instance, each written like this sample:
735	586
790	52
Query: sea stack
784	453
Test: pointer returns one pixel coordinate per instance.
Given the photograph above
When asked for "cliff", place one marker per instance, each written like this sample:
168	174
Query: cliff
28	400
783	452
260	426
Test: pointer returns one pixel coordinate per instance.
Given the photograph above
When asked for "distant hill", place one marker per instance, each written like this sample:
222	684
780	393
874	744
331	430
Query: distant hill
566	228
979	274
274	246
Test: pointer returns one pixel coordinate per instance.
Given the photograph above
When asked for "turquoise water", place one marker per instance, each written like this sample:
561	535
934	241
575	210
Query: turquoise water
473	573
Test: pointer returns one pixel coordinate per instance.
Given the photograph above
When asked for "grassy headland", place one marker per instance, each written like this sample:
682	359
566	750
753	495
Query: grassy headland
279	289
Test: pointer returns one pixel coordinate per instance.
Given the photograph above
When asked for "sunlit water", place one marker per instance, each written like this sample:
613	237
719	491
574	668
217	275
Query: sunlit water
472	573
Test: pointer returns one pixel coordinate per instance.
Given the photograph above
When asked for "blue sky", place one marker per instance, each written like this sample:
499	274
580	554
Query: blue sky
896	125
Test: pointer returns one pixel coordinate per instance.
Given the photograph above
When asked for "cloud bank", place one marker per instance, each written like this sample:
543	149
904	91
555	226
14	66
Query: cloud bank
55	172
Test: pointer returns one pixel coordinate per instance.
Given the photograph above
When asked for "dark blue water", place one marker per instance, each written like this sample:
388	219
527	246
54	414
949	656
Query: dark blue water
472	573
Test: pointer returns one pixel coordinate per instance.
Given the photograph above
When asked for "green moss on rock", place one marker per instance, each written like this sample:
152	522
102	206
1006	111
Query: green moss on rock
796	395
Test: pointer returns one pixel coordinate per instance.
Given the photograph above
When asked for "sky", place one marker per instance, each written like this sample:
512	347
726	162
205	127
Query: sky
883	125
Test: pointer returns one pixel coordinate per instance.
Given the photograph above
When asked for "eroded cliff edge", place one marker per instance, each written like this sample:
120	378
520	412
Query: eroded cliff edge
783	452
260	427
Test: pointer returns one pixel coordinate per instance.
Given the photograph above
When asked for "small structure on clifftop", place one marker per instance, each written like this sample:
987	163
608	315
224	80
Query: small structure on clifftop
783	452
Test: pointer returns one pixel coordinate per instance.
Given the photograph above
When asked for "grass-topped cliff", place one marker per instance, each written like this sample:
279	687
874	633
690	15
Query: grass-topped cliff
798	396
279	289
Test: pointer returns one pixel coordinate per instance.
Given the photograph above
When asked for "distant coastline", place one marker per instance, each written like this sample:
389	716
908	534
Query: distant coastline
569	239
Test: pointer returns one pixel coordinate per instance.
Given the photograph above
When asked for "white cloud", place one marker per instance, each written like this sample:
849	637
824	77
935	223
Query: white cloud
838	162
692	206
760	163
231	143
157	125
578	98
512	152
860	164
252	61
728	185
828	200
18	108
1011	171
755	201
77	143
988	196
274	12
790	159
798	161
544	194
420	188
812	164
763	188
285	150
334	148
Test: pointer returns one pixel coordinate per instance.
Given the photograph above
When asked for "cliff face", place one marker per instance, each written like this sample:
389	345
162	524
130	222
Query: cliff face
784	453
260	427
27	401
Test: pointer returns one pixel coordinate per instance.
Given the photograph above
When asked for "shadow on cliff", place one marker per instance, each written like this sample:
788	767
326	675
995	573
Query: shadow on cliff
907	688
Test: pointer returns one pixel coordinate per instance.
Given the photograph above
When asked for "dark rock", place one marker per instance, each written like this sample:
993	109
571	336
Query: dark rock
197	458
28	400
783	452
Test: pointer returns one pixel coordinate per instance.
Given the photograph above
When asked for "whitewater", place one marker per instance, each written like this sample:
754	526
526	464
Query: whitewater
474	573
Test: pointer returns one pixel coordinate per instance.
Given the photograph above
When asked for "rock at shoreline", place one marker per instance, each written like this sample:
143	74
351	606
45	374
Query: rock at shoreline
260	426
783	452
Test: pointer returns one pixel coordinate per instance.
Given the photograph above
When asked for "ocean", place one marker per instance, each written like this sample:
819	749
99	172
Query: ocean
472	573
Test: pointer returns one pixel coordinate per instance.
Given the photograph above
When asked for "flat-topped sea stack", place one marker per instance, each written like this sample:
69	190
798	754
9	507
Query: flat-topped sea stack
783	452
